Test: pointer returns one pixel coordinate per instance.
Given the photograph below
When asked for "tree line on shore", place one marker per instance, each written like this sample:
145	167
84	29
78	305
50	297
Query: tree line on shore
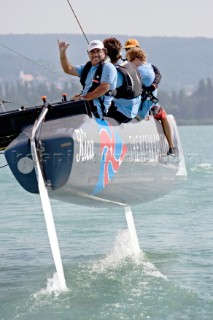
191	108
195	107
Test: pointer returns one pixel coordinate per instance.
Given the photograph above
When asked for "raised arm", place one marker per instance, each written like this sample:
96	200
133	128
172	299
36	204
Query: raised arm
66	65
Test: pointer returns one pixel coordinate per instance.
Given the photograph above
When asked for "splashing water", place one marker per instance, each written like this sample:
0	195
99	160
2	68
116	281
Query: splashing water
121	252
203	167
53	287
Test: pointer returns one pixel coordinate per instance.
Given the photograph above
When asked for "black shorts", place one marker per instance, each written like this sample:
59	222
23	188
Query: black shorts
115	114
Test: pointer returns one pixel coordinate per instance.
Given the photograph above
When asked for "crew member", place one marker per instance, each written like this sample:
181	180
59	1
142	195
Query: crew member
127	96
138	57
95	89
133	43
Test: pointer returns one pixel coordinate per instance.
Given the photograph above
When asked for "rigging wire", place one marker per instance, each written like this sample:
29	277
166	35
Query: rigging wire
3	166
35	62
42	66
78	22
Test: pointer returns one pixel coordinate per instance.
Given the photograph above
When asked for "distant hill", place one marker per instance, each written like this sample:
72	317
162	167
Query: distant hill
182	61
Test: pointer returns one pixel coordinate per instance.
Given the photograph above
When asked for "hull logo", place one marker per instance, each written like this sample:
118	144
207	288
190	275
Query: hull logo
112	151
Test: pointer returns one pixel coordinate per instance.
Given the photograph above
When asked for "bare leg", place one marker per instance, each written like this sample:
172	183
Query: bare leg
167	131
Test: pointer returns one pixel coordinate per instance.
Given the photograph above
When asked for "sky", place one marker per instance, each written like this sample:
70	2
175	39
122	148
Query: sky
183	18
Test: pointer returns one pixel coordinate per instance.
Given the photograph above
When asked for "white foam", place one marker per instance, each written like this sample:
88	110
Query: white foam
206	167
122	250
53	287
120	253
151	270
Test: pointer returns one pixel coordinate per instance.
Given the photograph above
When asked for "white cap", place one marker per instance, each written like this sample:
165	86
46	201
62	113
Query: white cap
95	44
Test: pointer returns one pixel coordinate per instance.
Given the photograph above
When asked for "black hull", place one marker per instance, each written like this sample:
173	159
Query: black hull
13	122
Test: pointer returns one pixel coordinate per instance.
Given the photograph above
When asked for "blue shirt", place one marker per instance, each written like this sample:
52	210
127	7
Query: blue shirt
128	107
109	75
147	74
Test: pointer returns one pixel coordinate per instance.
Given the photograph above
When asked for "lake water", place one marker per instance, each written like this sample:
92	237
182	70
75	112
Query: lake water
172	278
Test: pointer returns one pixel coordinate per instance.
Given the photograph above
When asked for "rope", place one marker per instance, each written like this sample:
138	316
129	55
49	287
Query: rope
3	166
35	62
78	22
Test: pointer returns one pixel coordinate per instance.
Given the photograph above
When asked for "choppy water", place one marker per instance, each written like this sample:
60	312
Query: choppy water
172	279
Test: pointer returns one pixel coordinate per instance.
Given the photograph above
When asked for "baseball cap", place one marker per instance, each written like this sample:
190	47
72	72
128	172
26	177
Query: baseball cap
95	44
131	43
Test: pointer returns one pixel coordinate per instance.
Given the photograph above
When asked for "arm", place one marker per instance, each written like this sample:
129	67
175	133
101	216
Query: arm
98	92
158	77
155	82
109	76
66	65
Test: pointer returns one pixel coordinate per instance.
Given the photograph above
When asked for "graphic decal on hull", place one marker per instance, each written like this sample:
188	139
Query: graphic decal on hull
112	151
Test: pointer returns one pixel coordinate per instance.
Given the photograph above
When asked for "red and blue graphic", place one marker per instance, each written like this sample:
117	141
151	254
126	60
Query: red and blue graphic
113	151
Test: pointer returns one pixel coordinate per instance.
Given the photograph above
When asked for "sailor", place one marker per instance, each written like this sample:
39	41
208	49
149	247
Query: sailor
138	57
95	87
127	96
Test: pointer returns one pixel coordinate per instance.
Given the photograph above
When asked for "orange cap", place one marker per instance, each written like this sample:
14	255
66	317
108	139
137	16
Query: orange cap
131	43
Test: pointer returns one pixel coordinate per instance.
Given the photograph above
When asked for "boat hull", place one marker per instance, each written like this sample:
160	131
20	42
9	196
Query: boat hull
98	163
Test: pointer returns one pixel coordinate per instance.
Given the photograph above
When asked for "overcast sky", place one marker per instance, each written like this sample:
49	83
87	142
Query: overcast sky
185	18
